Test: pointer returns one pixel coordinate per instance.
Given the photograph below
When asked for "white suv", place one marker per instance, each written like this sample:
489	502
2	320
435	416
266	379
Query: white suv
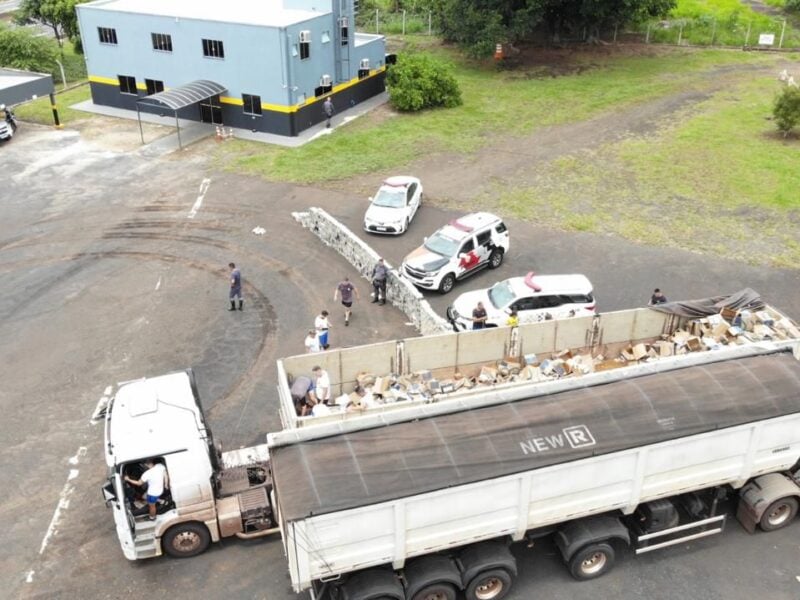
462	247
533	297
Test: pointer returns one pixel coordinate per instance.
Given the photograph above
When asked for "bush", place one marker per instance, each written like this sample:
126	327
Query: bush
419	81
786	109
21	49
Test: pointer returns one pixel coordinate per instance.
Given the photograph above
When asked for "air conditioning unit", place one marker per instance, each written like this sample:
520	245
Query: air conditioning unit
364	63
305	36
325	81
343	22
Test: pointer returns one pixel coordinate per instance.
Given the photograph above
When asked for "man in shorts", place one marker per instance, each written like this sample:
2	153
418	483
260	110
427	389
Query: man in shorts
346	289
153	480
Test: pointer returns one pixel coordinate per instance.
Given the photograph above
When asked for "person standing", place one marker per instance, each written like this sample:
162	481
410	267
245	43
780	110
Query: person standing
513	319
322	324
312	342
327	107
379	275
657	298
479	316
346	290
153	480
322	385
236	287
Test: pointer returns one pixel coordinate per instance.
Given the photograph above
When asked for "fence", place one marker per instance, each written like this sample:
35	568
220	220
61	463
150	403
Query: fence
396	23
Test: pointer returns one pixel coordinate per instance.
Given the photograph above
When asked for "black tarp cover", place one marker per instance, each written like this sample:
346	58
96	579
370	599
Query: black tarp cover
745	299
376	465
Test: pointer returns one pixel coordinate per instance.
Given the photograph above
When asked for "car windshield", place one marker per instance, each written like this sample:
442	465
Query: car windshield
441	244
390	197
501	294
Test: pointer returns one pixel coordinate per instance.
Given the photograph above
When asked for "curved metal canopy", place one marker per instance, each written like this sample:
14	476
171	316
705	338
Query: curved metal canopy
185	95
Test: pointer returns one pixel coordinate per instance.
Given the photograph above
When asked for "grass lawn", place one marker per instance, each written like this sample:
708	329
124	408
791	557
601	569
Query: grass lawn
39	111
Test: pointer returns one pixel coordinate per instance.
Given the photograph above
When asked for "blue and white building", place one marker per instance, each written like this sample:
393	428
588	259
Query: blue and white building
264	65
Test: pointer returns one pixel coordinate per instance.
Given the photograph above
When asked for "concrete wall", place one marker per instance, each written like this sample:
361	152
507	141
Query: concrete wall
399	291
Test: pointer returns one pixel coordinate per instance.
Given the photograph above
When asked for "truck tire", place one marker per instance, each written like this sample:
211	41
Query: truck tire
496	258
373	584
493	584
436	591
779	514
592	561
448	281
186	539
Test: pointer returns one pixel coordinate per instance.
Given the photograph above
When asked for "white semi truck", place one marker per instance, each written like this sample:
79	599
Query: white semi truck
421	500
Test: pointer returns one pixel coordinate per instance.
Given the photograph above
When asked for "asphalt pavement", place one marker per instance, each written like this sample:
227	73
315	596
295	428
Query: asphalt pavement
114	267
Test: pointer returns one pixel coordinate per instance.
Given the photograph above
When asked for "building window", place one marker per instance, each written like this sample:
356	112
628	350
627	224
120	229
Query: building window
325	37
162	42
305	44
153	86
252	104
127	84
213	49
107	35
344	30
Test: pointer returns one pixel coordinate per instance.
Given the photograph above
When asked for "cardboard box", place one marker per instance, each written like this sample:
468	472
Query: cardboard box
729	314
488	375
763	331
639	351
531	359
764	317
564	354
365	379
664	348
720	329
680	337
693	344
424	375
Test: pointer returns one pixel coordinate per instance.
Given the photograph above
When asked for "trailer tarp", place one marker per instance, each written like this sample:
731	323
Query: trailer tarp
366	467
745	299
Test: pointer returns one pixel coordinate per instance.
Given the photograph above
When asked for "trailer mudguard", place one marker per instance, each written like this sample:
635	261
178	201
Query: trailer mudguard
427	570
486	555
574	535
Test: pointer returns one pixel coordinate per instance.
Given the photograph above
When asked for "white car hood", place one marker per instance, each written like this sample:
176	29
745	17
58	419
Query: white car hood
466	303
384	214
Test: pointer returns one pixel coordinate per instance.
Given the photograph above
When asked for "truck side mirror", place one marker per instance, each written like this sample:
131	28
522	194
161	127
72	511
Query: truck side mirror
109	495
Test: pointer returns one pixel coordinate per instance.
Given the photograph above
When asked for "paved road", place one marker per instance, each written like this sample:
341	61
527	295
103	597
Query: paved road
107	277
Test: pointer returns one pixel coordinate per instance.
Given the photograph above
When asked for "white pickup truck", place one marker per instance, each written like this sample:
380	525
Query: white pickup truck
421	501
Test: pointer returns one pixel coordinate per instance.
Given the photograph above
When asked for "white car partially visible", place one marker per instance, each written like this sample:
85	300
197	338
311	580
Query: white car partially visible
534	297
394	206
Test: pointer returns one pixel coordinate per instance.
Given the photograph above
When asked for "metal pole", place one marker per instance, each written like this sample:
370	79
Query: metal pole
377	22
139	118
647	37
404	21
616	25
430	13
178	125
63	76
747	37
783	30
680	34
713	32
55	111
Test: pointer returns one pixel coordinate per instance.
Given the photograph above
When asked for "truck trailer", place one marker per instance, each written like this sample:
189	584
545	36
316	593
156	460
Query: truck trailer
422	502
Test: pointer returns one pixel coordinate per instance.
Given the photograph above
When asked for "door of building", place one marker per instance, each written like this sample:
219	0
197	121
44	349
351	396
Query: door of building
210	113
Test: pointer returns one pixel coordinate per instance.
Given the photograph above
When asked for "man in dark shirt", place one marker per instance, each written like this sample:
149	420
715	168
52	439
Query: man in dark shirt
236	288
379	275
346	289
479	316
657	298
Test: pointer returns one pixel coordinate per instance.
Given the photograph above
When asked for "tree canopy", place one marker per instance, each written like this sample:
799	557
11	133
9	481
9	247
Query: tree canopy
21	49
478	25
420	81
58	15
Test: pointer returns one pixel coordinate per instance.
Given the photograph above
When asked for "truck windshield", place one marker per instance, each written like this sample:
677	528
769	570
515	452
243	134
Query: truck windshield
501	294
390	197
441	245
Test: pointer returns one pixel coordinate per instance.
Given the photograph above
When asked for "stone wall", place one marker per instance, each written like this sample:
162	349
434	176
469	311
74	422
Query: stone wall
399	291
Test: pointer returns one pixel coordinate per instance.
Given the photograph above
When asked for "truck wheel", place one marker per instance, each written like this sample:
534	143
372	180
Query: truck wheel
493	584
592	561
496	258
436	591
185	540
448	281
373	584
779	514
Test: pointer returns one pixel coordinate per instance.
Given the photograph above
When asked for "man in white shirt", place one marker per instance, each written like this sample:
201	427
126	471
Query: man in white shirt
312	342
322	324
322	385
153	480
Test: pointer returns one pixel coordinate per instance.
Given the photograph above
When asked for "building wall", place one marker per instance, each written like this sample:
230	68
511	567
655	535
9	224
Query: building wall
261	61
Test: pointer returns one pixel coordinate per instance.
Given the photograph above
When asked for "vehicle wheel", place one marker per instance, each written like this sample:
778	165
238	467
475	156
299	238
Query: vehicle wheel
185	540
592	561
779	514
493	584
405	228
436	591
373	584
448	281
496	258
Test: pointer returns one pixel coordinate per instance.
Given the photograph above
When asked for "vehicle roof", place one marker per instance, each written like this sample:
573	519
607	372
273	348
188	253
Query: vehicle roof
551	284
155	416
474	221
399	181
366	467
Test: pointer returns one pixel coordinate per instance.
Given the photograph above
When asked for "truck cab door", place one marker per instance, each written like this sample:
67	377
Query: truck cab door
114	495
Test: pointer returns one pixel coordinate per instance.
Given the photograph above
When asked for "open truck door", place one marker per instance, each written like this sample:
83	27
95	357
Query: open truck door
114	496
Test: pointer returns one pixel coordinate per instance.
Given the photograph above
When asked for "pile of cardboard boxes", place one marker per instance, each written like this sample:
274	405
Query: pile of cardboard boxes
705	334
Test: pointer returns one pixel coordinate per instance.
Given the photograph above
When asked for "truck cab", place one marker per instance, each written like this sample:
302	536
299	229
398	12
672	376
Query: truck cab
161	419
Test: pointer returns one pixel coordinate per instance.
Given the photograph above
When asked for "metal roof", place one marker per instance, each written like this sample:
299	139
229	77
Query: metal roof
185	95
378	465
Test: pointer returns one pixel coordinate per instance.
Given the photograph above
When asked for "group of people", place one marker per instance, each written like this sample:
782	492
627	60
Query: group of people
312	395
479	317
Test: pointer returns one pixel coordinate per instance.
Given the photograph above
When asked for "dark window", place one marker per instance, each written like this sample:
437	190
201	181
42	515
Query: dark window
305	50
501	227
127	84
213	49
107	35
154	86
252	104
546	301
483	238
344	30
524	304
579	299
468	246
162	42
410	194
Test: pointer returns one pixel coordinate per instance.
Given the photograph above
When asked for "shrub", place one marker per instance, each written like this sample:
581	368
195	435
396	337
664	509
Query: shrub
21	49
419	81
786	109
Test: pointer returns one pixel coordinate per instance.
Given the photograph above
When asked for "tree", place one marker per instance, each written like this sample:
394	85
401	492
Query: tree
21	49
419	81
786	110
58	15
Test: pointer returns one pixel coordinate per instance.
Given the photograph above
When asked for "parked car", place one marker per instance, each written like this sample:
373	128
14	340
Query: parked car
9	123
534	297
394	206
459	249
